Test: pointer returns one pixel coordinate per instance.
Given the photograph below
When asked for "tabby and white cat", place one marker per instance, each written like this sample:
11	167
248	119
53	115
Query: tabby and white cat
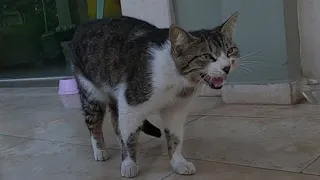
134	68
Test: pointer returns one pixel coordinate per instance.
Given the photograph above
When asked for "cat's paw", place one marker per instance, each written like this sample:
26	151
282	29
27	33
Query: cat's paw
99	150
184	168
100	155
129	169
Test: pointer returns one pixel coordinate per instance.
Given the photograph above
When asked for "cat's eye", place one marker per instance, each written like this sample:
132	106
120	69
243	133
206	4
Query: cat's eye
231	51
209	56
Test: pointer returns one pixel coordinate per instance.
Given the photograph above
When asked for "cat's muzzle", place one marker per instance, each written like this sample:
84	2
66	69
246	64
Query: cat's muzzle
214	82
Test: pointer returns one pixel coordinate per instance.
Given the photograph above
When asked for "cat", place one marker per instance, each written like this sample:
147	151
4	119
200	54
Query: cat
132	68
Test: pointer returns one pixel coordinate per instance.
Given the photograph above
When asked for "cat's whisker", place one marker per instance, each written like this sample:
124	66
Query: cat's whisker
249	66
200	82
202	89
253	59
246	65
241	69
194	95
250	62
246	72
250	54
245	56
196	88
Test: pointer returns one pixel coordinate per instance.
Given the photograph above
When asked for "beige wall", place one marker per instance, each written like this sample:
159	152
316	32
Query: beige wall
309	25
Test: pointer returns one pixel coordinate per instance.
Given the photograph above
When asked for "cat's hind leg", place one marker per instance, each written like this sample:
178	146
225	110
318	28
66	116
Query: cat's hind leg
94	110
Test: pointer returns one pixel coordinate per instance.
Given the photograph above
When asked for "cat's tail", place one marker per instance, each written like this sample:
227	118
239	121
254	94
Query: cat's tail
150	129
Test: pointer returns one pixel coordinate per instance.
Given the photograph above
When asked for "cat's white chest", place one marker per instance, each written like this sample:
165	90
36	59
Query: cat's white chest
164	96
166	80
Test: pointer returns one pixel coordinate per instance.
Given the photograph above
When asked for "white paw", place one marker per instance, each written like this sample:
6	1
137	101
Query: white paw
129	169
184	168
100	155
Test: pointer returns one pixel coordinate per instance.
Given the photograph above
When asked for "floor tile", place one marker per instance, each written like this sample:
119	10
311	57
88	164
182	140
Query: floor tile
289	144
29	102
201	104
284	138
270	111
217	171
30	91
155	118
24	112
9	141
32	107
44	116
314	168
47	160
72	129
23	108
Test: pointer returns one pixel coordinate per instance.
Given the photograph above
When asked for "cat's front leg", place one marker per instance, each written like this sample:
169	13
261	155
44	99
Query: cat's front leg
128	135
174	119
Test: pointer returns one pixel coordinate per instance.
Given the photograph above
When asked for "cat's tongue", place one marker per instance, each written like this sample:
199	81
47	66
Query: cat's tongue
217	82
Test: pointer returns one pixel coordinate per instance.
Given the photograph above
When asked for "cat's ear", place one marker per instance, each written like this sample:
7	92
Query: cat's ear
229	26
179	36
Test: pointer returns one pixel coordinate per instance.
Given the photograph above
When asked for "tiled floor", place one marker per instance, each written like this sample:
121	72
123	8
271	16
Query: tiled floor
40	139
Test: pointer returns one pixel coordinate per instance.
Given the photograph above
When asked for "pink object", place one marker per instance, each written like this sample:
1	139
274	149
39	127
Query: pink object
67	87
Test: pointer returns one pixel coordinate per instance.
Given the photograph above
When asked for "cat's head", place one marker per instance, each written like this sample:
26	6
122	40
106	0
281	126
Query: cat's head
206	55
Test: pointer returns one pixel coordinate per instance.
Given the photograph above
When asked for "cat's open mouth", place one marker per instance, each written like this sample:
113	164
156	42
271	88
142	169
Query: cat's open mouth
213	82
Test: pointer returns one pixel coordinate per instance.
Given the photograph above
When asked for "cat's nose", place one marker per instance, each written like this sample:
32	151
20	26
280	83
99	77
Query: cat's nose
226	69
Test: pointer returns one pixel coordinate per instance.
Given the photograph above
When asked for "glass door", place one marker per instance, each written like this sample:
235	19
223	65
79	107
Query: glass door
34	35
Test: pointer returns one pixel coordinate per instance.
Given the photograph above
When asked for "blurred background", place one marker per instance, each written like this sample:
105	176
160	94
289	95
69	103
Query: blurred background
278	39
34	34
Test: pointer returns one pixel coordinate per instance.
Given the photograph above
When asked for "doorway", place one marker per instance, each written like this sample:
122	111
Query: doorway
34	35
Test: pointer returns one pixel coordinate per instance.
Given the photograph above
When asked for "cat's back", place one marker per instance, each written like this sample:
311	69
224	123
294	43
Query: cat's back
125	27
104	48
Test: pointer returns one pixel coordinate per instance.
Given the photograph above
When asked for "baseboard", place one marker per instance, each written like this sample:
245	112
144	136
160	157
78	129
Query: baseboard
281	94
